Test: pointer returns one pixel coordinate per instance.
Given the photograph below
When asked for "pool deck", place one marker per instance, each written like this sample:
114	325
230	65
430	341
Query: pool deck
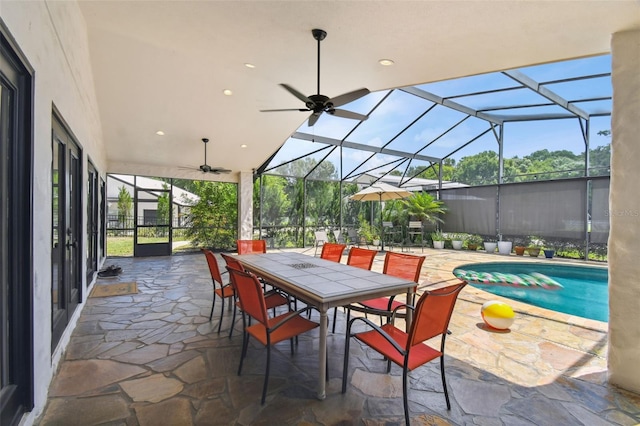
154	358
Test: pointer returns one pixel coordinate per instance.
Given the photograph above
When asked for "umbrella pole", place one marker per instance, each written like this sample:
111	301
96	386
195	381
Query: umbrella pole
381	227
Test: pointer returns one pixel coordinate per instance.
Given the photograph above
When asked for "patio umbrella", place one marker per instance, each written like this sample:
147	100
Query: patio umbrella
381	191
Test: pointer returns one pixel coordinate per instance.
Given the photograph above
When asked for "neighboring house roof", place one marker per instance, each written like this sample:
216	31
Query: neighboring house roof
180	196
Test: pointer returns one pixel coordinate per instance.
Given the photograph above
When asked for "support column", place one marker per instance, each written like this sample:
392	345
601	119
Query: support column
245	206
624	213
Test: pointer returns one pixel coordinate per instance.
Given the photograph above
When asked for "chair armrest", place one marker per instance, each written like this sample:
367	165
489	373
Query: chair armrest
379	330
289	318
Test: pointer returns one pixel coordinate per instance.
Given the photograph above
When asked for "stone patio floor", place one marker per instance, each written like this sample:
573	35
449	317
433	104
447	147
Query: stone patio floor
154	358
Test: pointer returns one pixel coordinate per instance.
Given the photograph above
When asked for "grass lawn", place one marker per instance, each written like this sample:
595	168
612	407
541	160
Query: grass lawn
123	246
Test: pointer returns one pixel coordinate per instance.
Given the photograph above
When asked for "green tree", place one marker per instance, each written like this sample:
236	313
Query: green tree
164	207
479	169
125	205
213	217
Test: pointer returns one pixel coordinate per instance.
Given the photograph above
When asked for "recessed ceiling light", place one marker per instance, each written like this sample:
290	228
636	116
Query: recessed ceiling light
386	62
243	146
160	133
227	92
248	65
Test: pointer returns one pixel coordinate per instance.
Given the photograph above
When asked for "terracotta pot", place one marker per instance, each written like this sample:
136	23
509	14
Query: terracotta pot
472	247
520	250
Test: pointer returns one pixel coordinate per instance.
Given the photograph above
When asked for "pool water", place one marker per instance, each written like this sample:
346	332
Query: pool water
584	293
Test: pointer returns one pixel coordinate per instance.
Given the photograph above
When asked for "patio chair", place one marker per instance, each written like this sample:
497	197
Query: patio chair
360	258
224	291
251	246
321	239
339	236
354	238
273	298
401	265
390	233
409	350
332	251
415	230
267	331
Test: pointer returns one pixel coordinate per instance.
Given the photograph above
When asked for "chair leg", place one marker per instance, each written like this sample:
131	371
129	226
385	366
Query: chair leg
245	341
404	396
233	320
345	366
213	304
444	382
266	375
221	315
333	326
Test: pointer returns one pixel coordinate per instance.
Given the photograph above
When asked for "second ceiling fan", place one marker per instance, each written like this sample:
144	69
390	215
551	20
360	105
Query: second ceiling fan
319	103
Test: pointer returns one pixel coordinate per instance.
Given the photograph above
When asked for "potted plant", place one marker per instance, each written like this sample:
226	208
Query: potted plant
504	247
549	252
473	241
535	245
438	240
456	240
520	249
490	246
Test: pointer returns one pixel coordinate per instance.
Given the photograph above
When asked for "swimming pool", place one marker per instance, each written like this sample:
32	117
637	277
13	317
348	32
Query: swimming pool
584	291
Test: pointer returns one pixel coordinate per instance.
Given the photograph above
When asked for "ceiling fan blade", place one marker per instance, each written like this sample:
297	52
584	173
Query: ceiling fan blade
285	109
348	97
313	118
347	114
295	93
219	170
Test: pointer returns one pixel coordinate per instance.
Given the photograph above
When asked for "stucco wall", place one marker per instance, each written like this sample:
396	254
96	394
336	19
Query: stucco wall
624	213
52	38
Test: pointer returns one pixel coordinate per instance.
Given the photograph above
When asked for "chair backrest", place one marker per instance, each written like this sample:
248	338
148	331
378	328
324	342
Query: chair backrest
332	251
232	262
352	233
432	314
213	266
401	265
415	225
251	295
338	235
361	258
321	236
251	246
387	224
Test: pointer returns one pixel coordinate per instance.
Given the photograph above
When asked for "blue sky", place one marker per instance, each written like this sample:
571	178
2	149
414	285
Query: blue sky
521	138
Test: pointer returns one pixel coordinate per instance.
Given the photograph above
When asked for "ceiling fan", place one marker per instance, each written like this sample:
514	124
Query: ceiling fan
320	103
205	168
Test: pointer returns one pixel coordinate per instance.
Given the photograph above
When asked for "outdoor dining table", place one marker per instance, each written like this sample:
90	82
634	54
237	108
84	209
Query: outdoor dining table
323	284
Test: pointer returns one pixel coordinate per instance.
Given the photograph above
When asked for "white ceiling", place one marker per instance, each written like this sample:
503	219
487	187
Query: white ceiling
163	65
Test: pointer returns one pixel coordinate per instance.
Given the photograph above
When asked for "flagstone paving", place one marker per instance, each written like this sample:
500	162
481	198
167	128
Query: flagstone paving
154	358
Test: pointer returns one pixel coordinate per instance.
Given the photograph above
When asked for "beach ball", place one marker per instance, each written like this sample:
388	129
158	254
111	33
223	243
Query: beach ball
497	315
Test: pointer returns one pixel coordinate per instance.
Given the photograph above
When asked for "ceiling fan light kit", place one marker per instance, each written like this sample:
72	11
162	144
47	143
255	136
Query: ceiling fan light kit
319	103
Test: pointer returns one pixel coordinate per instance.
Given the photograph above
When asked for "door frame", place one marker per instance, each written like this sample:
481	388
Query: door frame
16	384
69	226
151	249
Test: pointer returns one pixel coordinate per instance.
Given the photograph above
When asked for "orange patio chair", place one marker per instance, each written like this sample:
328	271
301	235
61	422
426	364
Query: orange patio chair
224	291
332	251
399	265
408	350
360	258
251	246
273	298
267	331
